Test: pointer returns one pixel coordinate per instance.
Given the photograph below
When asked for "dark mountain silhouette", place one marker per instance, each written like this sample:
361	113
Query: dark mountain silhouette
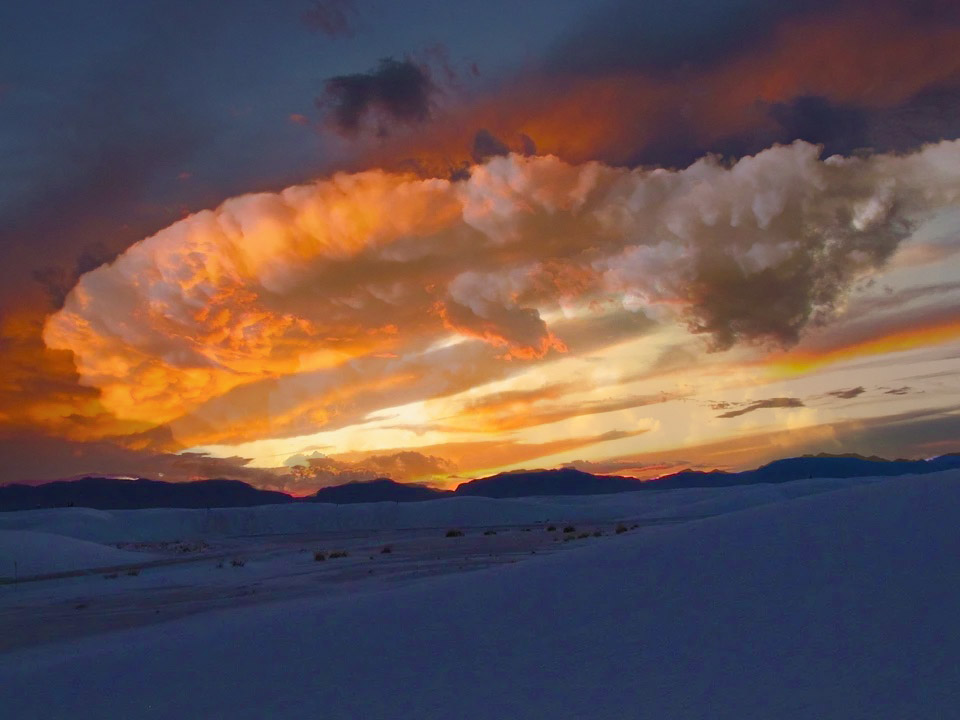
120	493
125	494
564	481
808	466
377	491
569	481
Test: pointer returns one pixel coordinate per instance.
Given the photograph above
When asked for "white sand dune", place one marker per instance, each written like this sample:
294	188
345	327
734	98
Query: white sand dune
111	526
24	553
835	605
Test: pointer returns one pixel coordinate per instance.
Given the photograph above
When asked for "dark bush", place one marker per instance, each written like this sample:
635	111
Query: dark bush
237	562
569	529
551	528
489	532
597	533
386	550
337	554
319	556
581	536
621	528
454	533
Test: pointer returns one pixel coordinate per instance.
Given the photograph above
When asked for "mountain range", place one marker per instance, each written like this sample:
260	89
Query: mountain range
108	493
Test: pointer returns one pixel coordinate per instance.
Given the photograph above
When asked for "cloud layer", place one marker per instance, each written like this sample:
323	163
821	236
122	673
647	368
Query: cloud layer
381	265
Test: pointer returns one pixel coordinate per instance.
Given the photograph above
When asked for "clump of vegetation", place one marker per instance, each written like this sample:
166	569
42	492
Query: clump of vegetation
634	526
489	532
319	556
337	554
551	528
526	530
237	562
569	529
582	536
621	528
386	550
597	533
454	533
568	538
134	572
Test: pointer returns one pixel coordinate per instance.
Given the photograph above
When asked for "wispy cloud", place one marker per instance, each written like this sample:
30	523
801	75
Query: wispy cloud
778	402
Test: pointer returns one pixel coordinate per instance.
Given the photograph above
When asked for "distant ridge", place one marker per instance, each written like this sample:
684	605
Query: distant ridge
563	481
105	493
379	490
807	466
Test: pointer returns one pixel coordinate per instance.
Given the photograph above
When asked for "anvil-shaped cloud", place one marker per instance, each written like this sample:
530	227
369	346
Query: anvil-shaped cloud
387	265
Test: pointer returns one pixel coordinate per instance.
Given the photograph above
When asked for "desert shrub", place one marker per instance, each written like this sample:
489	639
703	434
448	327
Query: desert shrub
337	554
237	562
454	533
319	556
581	536
621	528
386	550
634	526
569	529
551	528
489	532
133	572
597	533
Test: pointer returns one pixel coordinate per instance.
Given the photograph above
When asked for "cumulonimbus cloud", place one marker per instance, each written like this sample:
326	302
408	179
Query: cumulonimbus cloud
382	264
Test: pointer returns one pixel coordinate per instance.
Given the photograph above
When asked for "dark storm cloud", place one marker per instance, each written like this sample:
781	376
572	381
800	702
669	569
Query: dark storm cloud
841	128
486	145
334	18
684	34
661	36
395	92
672	43
930	116
779	402
815	119
774	304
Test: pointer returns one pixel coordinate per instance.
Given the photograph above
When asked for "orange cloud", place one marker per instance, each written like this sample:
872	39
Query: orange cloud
517	409
899	339
327	275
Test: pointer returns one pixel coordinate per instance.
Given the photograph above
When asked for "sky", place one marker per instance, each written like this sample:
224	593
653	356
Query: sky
305	242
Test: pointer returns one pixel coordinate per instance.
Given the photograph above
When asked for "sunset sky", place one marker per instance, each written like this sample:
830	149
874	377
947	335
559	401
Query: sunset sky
299	243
